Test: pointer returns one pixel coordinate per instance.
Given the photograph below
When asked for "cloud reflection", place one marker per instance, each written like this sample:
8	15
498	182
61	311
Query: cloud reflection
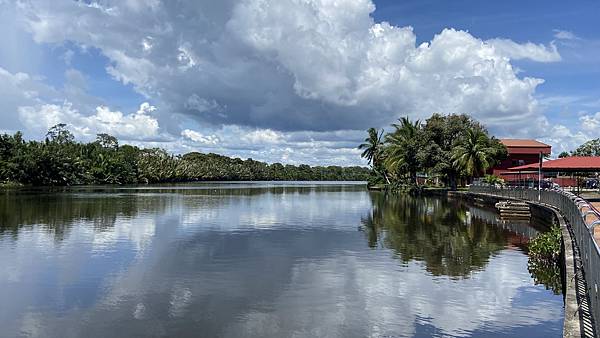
267	263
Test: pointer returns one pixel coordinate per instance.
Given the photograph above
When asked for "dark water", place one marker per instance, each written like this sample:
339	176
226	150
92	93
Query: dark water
263	260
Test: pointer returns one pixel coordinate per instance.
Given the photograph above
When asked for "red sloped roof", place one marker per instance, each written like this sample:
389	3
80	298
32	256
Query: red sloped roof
523	143
573	163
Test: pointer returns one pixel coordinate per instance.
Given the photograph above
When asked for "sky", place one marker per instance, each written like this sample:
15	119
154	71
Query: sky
297	81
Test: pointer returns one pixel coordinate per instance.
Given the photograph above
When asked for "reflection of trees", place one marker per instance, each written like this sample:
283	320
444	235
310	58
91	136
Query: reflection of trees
56	211
436	231
546	273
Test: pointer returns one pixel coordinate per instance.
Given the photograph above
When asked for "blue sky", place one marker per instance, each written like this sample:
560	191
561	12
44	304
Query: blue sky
297	81
577	75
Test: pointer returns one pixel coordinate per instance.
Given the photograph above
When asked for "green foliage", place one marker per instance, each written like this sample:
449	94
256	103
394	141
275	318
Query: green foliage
546	246
544	256
402	150
433	231
493	180
546	273
445	148
563	154
474	153
373	152
590	148
59	161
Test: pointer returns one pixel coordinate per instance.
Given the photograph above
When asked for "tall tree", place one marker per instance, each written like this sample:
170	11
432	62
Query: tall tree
60	134
475	154
590	148
107	141
442	133
402	149
373	151
371	146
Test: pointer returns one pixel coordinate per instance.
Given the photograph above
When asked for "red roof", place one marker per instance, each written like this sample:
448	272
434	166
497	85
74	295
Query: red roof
529	147
573	163
520	143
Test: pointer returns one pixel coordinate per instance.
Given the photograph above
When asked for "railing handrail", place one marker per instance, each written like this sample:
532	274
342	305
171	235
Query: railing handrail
580	202
576	211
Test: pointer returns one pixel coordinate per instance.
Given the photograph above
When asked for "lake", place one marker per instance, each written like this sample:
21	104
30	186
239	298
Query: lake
264	260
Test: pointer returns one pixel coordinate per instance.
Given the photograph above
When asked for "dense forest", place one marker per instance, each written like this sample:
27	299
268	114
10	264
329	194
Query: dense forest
61	160
444	150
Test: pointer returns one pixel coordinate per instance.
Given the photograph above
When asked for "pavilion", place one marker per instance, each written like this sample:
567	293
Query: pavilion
563	171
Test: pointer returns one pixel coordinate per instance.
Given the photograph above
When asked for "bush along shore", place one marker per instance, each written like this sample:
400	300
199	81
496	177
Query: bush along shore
60	161
544	259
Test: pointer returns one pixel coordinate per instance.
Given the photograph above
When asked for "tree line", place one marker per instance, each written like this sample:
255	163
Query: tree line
443	150
59	160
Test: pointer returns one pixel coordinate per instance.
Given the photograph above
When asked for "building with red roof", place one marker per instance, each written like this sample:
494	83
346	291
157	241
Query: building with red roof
563	171
573	164
521	152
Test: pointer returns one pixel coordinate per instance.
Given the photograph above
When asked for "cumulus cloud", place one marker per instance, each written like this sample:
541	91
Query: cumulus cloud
315	148
567	138
276	80
136	126
20	89
590	123
294	65
199	138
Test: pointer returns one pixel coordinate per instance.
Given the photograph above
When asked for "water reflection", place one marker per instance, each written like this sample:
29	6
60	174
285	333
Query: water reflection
450	237
261	261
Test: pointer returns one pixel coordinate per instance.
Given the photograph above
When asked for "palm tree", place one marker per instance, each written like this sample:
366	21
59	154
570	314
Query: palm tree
402	148
474	155
372	146
373	151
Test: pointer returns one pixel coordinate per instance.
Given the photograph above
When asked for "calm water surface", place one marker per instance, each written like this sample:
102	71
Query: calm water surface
263	260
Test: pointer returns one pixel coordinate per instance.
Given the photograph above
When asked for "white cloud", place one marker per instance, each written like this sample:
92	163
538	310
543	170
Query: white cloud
266	136
271	80
136	126
567	138
529	50
590	123
565	35
295	65
200	138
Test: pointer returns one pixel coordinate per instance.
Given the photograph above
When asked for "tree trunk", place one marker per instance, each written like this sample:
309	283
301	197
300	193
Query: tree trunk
386	178
452	181
413	178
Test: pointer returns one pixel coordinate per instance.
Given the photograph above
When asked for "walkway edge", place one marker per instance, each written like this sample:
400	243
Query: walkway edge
572	321
571	327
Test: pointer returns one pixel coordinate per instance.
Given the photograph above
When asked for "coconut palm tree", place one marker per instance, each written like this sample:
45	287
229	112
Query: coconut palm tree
474	155
372	146
373	151
402	148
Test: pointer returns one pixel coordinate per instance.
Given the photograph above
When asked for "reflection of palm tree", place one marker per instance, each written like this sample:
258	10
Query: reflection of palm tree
434	231
371	229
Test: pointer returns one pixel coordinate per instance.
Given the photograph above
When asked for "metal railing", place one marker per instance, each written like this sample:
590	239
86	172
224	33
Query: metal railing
583	219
